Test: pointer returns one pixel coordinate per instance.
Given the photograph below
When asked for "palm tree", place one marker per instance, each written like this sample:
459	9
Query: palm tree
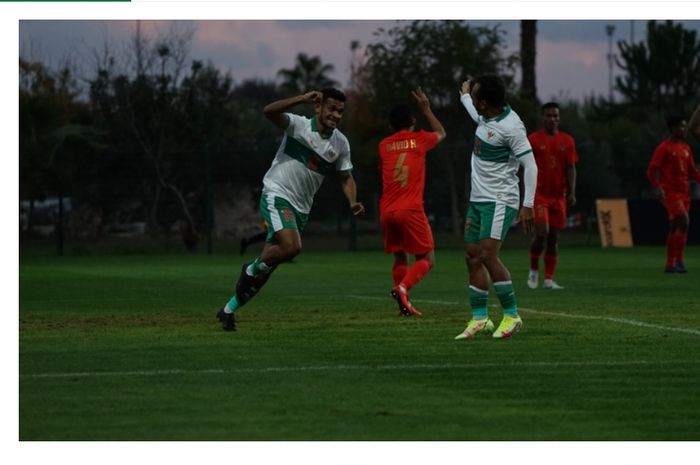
308	74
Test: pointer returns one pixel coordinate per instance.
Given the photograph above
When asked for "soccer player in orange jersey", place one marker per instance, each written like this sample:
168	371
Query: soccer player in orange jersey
556	157
668	171
404	223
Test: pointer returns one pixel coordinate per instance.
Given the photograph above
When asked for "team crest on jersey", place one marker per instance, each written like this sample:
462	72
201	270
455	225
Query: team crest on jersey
562	148
490	134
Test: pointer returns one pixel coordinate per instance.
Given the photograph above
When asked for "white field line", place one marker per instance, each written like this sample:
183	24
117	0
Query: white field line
643	324
292	369
625	321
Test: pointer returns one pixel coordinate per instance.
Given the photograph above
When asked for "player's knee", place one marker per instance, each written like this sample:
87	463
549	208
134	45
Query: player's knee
472	257
487	256
290	249
428	257
294	250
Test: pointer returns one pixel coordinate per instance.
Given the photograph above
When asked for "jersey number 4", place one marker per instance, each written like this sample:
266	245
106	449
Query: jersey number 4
400	173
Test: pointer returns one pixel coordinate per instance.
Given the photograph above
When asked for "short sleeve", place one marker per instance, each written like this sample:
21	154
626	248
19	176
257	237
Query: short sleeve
294	124
429	139
344	162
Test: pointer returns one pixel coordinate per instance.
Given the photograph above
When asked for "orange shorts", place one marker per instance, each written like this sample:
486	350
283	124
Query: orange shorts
407	231
677	206
550	210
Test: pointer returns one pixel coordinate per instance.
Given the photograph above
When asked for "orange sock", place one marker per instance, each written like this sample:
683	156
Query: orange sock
671	250
550	264
399	271
415	273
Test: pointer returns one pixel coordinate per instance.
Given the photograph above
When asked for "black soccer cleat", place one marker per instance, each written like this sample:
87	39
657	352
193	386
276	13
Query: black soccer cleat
228	320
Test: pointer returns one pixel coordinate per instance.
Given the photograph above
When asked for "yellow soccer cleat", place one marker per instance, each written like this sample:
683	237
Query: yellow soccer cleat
476	326
509	326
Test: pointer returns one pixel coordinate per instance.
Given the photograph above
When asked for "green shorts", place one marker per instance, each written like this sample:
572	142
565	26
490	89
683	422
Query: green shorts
279	214
488	220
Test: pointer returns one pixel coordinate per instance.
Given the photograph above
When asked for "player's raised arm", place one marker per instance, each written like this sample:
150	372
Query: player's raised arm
275	110
466	99
424	106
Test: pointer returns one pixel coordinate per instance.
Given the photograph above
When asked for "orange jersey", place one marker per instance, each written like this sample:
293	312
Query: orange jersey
402	164
674	161
553	154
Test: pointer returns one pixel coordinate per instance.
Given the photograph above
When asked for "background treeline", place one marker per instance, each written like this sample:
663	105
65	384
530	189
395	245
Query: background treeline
154	136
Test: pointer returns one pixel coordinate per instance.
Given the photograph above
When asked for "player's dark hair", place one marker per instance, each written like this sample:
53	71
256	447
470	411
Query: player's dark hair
492	90
400	117
549	105
673	121
330	92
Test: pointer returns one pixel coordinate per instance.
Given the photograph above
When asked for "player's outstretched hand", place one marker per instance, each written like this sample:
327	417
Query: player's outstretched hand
421	99
357	208
466	88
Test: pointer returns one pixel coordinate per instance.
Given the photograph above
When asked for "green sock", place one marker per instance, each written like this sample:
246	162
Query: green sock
479	300
506	295
257	267
232	305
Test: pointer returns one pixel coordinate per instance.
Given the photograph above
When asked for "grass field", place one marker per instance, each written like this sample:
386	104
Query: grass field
128	348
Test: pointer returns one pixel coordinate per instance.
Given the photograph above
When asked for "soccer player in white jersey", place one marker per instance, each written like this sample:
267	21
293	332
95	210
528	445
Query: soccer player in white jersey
310	149
500	148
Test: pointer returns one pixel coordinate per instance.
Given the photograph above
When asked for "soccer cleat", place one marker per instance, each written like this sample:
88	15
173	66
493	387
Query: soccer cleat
413	310
670	269
532	277
680	267
550	284
228	320
474	327
509	325
405	307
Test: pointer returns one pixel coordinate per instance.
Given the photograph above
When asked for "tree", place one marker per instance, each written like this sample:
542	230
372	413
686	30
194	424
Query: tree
55	136
664	71
159	124
308	73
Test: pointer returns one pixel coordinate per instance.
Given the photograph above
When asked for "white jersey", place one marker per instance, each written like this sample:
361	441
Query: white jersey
500	144
302	161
